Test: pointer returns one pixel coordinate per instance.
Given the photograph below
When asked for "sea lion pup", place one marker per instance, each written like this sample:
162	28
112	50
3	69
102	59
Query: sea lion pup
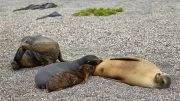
41	78
36	51
64	80
133	71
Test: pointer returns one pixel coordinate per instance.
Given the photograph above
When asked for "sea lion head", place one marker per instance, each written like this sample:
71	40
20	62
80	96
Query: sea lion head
49	5
90	59
26	42
162	80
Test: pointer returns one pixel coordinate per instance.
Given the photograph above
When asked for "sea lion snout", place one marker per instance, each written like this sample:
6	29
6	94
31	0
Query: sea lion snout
162	80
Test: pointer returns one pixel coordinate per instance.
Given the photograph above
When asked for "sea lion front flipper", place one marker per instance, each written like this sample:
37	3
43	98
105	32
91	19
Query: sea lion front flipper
85	79
20	52
18	56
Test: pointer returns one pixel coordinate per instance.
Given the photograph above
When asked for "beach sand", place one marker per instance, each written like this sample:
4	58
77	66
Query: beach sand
147	29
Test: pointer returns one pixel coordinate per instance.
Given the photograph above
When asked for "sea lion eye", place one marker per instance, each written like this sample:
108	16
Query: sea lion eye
91	62
29	41
88	62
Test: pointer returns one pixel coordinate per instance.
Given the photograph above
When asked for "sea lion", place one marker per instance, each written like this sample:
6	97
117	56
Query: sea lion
33	7
133	71
53	14
63	80
36	51
41	78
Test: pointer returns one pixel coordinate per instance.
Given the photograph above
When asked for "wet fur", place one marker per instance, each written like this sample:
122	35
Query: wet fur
133	71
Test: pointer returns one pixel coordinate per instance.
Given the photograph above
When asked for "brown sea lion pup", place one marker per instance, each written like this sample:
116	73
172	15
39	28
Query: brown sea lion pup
41	78
68	79
133	71
36	51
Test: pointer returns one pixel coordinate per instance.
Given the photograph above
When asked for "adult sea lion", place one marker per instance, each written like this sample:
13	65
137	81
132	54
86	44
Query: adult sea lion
36	51
33	7
44	73
133	71
53	14
63	80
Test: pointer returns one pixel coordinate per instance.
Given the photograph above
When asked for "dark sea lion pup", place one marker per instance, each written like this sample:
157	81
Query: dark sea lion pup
36	51
44	73
68	79
133	71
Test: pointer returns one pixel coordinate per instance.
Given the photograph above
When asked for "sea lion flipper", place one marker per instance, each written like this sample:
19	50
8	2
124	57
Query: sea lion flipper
20	52
85	78
18	56
60	57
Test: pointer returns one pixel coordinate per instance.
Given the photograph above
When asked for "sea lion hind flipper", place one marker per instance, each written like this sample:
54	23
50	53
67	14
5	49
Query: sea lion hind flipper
60	58
125	59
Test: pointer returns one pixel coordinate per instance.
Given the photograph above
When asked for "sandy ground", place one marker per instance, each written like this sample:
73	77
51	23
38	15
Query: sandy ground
148	29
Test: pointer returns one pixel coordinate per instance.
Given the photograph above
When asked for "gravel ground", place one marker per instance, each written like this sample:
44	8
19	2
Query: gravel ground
148	29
